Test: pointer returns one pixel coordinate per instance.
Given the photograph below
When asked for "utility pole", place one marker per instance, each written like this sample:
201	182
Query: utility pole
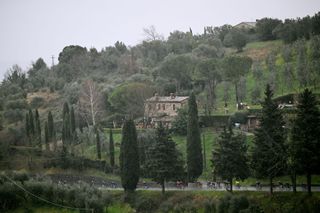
52	58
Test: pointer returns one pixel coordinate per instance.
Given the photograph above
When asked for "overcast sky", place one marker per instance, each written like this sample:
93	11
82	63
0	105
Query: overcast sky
30	29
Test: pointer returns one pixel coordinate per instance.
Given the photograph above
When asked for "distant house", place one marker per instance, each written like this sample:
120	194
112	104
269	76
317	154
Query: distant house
245	25
163	109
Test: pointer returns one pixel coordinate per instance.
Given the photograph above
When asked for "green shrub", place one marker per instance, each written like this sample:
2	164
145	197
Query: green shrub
214	120
10	197
146	204
166	206
179	125
239	117
37	102
17	104
21	177
223	204
238	203
13	115
209	206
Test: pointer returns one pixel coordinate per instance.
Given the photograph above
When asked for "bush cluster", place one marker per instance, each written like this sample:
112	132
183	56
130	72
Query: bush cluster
12	197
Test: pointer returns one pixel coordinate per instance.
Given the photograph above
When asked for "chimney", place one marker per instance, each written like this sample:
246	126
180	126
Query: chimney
172	95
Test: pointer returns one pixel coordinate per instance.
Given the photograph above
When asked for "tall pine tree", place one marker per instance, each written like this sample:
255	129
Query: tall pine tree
31	124
305	137
269	153
46	136
111	149
229	157
38	128
129	157
27	127
51	130
164	162
66	126
194	149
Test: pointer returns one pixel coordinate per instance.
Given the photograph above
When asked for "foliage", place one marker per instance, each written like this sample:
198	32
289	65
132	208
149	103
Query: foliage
129	157
146	140
208	72
179	125
239	117
163	159
98	144
37	102
111	149
194	148
265	27
66	126
177	68
269	152
229	157
234	68
128	99
305	144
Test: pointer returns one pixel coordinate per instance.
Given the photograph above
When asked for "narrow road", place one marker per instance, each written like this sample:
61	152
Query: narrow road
244	188
105	184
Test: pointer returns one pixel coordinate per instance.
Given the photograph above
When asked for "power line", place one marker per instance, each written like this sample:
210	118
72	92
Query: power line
44	200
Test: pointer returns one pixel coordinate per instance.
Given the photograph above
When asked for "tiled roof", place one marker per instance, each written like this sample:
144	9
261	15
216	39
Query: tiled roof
252	24
167	99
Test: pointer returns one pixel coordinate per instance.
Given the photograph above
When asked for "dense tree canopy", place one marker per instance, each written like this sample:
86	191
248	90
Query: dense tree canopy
164	161
305	137
229	157
269	152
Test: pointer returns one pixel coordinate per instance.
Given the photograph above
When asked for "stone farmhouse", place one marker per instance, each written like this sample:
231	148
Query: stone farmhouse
245	25
163	109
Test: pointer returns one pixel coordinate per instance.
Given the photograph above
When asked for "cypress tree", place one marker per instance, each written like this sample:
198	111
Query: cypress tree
111	149
194	149
73	133
305	137
38	128
72	121
65	109
27	126
50	126
269	153
129	157
98	145
66	130
46	136
31	122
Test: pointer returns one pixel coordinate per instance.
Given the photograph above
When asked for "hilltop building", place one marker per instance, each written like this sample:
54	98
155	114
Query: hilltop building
245	25
163	109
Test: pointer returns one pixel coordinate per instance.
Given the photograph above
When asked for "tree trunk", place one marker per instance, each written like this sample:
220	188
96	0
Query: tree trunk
237	98
309	182
230	182
271	185
204	150
163	186
211	94
294	182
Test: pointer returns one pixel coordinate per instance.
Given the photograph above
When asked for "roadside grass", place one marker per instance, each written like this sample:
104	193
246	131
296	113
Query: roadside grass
155	201
42	209
120	208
